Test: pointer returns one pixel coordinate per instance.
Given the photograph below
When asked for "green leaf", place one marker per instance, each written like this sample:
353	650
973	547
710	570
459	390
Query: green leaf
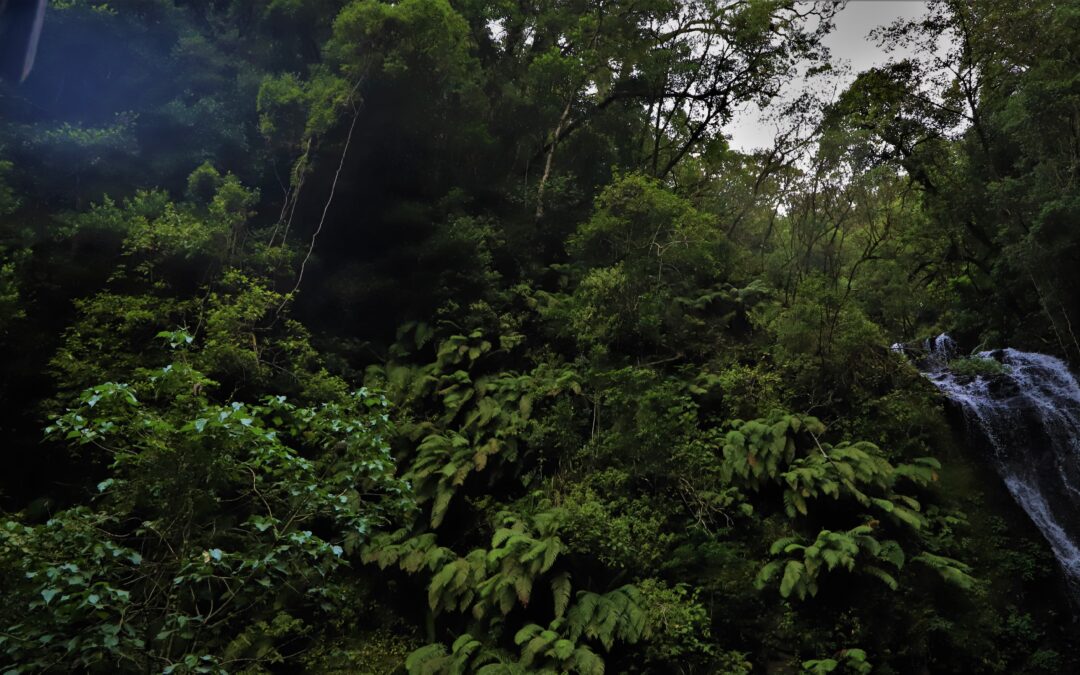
560	587
793	573
562	649
766	574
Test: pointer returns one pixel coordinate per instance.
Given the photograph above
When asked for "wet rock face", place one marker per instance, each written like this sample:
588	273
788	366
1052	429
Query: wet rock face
1028	420
1002	387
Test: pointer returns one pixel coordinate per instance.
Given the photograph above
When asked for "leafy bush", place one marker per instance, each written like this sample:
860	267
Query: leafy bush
220	533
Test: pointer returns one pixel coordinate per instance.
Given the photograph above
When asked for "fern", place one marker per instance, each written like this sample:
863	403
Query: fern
766	574
856	550
886	578
560	588
952	571
428	660
504	575
478	418
546	650
796	579
411	555
454	586
767	452
467	655
618	614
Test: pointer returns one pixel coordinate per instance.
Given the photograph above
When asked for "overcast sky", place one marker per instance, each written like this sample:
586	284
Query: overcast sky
849	43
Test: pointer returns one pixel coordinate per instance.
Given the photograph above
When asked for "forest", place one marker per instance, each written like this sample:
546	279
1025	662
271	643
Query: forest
455	336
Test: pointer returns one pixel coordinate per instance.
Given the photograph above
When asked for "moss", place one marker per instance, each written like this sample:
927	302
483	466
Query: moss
977	366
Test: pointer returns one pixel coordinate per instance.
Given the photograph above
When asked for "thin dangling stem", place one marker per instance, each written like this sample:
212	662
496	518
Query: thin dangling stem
329	200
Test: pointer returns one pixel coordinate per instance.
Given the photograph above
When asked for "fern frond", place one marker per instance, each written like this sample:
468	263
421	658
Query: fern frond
560	588
426	660
886	578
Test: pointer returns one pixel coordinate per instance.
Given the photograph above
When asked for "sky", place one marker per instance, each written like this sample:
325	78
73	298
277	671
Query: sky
849	42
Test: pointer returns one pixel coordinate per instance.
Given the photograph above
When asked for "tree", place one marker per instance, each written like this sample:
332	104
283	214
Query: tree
219	536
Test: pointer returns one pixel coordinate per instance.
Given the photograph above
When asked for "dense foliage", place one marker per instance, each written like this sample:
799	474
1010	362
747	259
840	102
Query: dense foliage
451	336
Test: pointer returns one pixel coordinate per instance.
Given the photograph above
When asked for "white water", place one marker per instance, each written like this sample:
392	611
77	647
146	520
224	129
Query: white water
1030	417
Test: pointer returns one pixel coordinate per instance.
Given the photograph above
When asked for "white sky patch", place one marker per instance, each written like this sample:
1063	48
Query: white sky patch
497	28
850	45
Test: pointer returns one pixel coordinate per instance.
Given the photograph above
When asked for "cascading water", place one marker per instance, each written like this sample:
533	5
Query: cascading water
1030	416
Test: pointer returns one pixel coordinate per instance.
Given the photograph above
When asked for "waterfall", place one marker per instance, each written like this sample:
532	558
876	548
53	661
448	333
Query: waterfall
1029	416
